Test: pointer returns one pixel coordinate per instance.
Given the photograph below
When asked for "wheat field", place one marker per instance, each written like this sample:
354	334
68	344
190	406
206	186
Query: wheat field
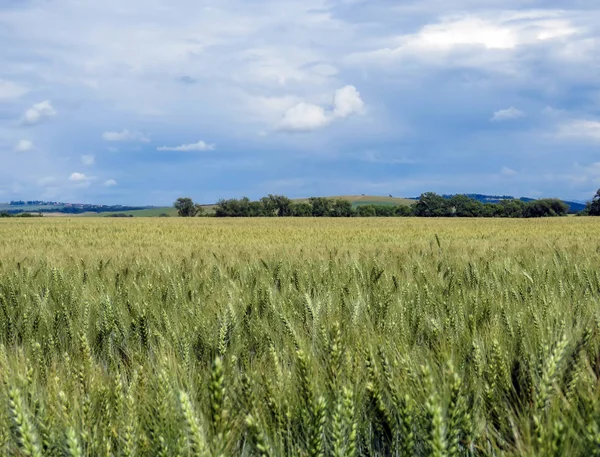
299	337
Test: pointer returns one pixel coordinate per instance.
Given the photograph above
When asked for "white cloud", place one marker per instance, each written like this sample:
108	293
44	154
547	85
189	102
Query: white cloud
238	55
78	177
23	146
347	101
268	109
39	112
81	180
305	117
507	114
144	77
282	65
199	146
466	31
580	129
506	171
88	159
9	89
110	183
125	135
487	40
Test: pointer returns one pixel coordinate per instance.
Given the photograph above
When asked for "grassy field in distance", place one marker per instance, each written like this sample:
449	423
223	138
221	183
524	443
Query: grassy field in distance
150	212
358	200
299	337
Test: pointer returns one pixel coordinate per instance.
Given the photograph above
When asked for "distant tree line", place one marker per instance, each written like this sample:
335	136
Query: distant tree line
76	209
429	204
34	202
433	205
7	214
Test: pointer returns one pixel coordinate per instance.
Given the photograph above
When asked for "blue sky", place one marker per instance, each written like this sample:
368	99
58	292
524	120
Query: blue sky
140	102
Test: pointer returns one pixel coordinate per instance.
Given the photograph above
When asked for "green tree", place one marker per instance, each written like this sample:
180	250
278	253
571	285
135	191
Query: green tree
464	206
385	210
321	206
365	211
239	208
252	209
593	208
341	208
431	204
547	207
277	205
185	207
405	210
269	206
301	209
511	208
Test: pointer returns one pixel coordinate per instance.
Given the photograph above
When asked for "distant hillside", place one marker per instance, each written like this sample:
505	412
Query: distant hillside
18	207
360	200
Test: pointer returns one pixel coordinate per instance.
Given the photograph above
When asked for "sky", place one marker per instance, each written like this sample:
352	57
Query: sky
141	102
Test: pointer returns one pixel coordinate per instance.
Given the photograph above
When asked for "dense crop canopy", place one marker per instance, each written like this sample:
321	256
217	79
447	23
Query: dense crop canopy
299	337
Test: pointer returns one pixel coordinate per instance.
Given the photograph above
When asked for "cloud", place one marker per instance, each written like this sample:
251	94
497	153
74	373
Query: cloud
78	177
506	171
347	101
125	135
580	129
110	183
81	179
305	117
199	146
464	32
88	159
188	80
9	90
429	69
487	39
507	114
24	146
39	112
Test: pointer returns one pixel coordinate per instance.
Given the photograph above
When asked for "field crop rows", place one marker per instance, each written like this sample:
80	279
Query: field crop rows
273	337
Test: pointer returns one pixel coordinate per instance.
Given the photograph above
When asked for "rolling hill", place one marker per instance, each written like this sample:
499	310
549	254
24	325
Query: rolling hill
359	200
